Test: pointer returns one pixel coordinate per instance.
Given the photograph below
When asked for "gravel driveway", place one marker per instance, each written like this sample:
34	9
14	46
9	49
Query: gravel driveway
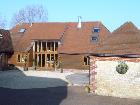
19	79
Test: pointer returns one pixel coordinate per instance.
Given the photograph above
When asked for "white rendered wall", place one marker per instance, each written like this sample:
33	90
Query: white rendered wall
110	83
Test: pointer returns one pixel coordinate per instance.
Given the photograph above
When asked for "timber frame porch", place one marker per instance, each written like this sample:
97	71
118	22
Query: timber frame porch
45	53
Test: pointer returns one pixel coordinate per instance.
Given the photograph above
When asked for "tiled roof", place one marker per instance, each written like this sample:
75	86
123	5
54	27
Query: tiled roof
5	42
124	40
74	40
127	27
17	37
79	40
38	31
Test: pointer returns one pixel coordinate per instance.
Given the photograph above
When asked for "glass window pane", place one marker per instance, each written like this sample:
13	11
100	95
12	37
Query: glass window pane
48	57
18	58
96	29
52	57
56	46
94	39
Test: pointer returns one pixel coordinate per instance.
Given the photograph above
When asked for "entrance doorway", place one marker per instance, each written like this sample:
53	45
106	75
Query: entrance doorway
45	53
51	60
46	60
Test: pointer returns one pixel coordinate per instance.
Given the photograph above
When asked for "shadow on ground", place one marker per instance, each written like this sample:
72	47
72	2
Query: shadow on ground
20	89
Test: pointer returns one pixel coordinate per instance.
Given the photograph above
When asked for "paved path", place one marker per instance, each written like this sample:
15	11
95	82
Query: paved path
58	96
78	79
77	96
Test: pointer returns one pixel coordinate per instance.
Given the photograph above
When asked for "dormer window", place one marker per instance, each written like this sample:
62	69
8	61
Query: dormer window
1	36
96	29
94	38
22	30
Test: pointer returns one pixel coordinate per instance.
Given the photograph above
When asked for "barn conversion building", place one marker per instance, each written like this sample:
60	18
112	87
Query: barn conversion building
113	59
45	44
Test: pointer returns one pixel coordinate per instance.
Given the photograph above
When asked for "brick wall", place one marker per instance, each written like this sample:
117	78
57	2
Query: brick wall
110	83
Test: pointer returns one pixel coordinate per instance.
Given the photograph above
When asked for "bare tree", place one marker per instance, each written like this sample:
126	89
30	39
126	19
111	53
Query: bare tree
30	14
3	22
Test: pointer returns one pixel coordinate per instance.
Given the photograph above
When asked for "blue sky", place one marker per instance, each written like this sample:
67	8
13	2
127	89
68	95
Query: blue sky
112	13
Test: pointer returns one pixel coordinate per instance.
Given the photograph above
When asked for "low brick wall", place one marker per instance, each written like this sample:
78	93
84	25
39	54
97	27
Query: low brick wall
107	81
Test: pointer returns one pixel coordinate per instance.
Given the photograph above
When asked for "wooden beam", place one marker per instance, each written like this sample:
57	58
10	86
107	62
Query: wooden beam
41	59
50	46
34	53
37	59
46	46
54	45
37	46
45	59
41	47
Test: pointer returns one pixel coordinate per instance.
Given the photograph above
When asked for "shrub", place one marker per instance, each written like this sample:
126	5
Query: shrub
122	67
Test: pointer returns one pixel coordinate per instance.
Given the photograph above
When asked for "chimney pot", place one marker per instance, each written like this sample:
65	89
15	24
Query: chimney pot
79	25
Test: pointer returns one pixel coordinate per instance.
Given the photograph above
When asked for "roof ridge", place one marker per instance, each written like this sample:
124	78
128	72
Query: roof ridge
58	22
126	27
